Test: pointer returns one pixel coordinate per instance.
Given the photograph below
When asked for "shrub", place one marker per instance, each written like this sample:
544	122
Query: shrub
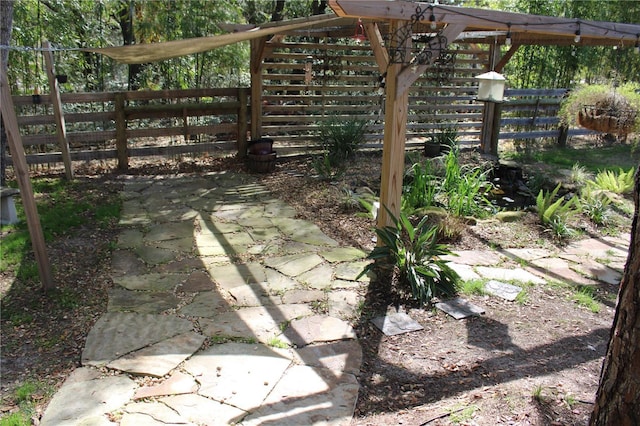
327	171
416	254
342	138
445	136
465	188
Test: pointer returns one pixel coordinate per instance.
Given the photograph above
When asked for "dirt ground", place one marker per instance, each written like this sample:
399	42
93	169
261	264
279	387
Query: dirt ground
536	362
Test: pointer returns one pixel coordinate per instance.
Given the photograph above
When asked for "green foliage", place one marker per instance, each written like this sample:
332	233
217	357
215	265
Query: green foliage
554	211
465	188
416	254
550	206
622	102
420	187
325	168
579	174
585	296
472	287
619	182
595	205
445	136
342	138
16	419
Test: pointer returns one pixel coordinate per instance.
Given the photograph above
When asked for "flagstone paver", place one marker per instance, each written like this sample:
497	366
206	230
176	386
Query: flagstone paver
188	312
159	358
85	398
116	334
506	274
151	282
227	370
178	383
142	302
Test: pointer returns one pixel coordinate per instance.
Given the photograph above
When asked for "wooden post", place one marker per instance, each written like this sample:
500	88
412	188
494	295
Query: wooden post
257	48
58	115
121	132
395	125
563	135
491	114
26	190
242	123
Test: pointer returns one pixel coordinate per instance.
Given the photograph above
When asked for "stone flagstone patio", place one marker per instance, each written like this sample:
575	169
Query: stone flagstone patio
227	309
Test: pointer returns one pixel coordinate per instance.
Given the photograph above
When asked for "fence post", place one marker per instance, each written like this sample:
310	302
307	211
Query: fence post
121	132
61	129
563	134
242	122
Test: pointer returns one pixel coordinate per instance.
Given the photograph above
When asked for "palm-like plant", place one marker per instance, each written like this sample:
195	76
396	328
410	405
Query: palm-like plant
417	255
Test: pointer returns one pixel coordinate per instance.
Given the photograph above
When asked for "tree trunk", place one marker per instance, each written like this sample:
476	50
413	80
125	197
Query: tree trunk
618	397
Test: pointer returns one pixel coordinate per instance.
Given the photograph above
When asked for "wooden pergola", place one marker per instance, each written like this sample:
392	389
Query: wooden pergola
405	21
406	39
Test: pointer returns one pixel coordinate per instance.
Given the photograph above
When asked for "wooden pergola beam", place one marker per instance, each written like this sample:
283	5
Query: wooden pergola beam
486	19
409	75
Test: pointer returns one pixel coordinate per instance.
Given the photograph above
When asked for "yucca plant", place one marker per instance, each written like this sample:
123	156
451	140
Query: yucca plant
618	183
417	255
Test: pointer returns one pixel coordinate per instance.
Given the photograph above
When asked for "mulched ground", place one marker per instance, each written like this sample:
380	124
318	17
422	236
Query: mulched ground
531	363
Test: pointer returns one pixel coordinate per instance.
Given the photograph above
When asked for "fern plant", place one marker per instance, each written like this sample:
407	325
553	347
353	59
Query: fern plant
618	183
417	255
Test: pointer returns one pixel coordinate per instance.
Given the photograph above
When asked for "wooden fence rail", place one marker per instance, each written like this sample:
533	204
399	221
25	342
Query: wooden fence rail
112	124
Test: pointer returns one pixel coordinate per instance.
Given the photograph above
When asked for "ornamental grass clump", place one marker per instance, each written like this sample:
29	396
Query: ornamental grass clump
415	253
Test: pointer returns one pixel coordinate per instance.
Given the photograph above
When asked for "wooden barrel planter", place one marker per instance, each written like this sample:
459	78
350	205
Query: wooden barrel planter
261	158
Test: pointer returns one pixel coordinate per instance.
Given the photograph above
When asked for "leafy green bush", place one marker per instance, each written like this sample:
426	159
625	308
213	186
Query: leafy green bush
341	138
445	136
416	254
619	183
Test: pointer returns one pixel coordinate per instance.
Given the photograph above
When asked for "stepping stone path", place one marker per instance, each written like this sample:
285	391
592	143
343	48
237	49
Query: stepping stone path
226	309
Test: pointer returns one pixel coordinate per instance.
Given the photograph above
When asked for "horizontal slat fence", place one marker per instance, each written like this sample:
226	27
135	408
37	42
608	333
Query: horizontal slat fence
346	84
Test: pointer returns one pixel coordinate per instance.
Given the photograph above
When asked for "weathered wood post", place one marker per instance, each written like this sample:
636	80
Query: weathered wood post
121	132
58	115
242	122
257	52
26	190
